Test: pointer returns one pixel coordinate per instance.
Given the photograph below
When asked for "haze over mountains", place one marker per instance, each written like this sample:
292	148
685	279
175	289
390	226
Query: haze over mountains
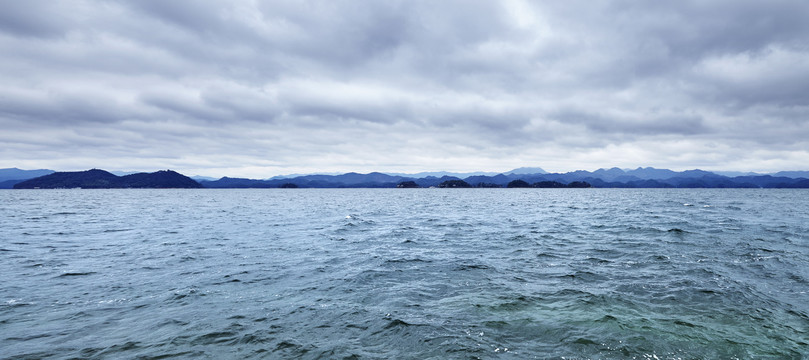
610	178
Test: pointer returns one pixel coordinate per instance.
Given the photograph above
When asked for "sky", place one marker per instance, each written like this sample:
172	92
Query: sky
263	88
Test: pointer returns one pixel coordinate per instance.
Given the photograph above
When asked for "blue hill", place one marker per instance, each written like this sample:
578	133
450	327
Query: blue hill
100	179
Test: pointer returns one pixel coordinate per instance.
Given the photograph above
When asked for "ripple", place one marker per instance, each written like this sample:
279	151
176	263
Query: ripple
69	274
472	274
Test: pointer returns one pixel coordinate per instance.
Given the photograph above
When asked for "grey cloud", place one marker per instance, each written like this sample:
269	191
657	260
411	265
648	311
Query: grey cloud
243	104
635	125
774	76
62	109
337	101
187	107
305	80
35	18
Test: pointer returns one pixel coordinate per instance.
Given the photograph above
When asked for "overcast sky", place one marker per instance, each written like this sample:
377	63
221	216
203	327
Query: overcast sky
262	88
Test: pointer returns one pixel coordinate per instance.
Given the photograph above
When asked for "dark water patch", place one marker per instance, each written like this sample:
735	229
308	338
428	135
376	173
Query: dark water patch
545	255
116	230
607	319
583	276
114	350
472	267
659	258
17	303
29	337
516	303
187	293
69	274
190	354
798	278
290	349
228	281
355	326
766	249
253	339
685	323
584	341
216	337
406	261
596	260
172	322
395	323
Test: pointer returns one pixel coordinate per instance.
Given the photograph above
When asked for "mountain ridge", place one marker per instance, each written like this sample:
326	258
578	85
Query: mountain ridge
609	178
100	179
640	177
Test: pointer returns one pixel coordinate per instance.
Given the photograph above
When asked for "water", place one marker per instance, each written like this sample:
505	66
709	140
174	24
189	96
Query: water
404	273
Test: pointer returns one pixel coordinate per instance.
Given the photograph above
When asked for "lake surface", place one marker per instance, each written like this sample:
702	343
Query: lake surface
405	273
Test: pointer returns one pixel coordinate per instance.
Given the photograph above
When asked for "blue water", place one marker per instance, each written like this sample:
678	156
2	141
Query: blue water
404	273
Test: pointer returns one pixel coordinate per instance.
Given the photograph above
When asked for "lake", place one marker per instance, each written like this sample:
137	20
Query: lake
404	273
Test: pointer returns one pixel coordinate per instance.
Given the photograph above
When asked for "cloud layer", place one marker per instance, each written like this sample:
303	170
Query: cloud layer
260	88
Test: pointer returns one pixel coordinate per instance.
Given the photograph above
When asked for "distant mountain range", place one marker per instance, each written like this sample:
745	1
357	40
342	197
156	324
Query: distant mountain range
11	176
609	178
605	178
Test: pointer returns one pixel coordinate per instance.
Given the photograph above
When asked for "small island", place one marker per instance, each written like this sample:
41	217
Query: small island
454	184
407	184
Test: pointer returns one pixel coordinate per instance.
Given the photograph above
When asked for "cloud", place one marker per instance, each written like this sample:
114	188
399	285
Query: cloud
273	87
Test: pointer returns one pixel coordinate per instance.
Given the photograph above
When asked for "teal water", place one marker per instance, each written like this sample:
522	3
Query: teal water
404	273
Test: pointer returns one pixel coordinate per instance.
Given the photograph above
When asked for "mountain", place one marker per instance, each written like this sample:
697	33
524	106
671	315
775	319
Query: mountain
100	179
160	179
526	170
199	178
123	173
290	176
235	183
438	174
9	184
793	174
615	174
650	173
18	174
499	179
90	179
604	178
353	178
737	173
